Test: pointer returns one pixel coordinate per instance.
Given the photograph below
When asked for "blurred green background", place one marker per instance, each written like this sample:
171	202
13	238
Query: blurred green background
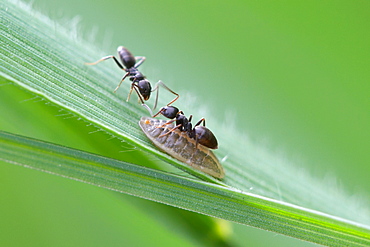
292	75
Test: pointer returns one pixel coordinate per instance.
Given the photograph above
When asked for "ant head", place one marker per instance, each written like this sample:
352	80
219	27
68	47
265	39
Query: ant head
144	88
126	57
168	111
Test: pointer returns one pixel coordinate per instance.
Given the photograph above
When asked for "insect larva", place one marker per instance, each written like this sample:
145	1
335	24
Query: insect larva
180	146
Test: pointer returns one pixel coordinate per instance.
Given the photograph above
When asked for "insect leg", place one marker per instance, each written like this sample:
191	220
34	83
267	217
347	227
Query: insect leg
123	78
160	111
148	108
139	61
129	94
200	121
105	58
134	86
156	87
166	123
174	128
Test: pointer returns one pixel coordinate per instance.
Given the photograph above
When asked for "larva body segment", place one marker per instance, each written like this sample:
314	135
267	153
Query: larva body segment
180	146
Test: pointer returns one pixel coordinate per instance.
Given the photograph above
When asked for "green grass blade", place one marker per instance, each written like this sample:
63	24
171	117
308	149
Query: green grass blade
47	62
44	58
187	193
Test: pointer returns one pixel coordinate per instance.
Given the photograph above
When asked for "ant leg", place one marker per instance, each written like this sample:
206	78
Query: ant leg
171	130
164	85
133	86
139	60
200	121
129	94
156	99
139	95
160	111
157	88
123	78
166	123
148	108
105	58
196	143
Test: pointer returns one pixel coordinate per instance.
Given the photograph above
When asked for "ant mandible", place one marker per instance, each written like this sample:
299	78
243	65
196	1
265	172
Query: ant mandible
200	134
139	83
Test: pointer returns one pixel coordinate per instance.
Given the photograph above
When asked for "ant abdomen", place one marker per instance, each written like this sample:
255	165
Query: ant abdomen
205	137
126	57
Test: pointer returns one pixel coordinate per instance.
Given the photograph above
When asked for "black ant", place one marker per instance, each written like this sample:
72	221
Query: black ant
200	134
139	82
